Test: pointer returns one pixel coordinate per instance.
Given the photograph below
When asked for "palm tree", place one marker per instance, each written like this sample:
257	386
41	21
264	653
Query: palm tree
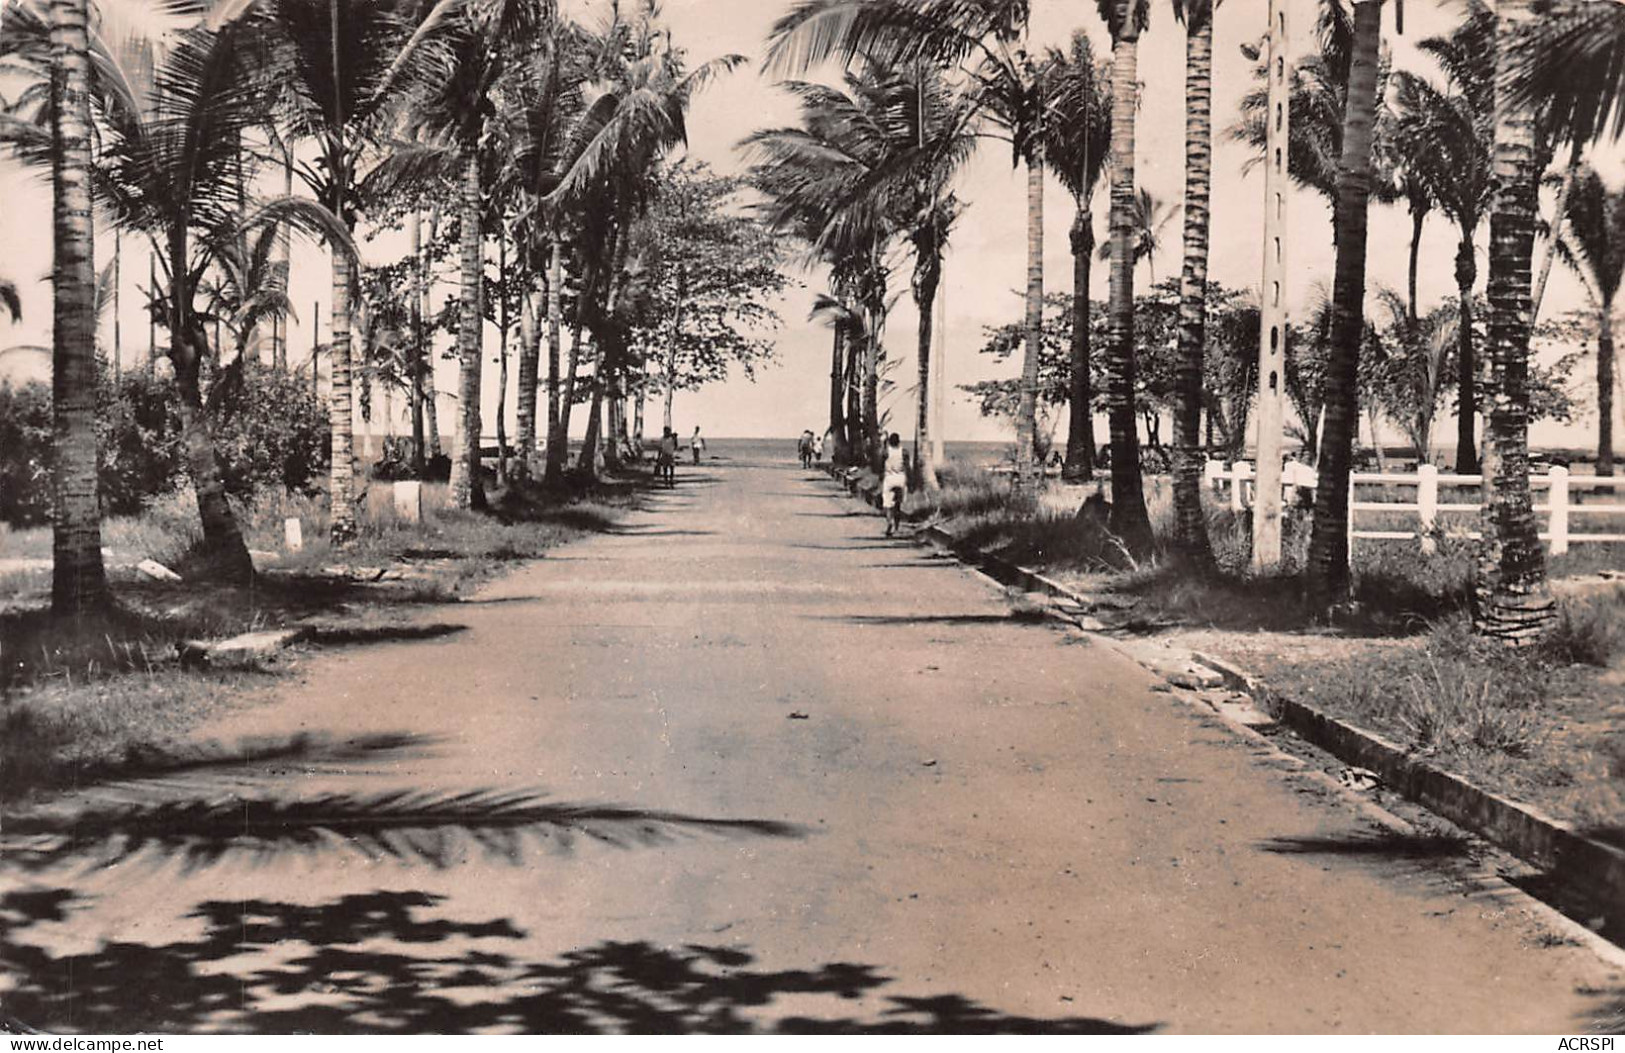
1328	545
542	97
1126	20
827	180
78	579
1416	349
885	146
1078	143
1591	241
900	34
1190	524
1511	599
172	170
1446	137
1014	91
348	62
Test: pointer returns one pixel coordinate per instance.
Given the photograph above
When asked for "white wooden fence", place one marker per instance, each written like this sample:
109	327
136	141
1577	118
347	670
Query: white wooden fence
1560	508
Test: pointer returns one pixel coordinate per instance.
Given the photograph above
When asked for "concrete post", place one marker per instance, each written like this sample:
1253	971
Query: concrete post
1272	296
409	500
1559	502
293	535
1238	485
1427	505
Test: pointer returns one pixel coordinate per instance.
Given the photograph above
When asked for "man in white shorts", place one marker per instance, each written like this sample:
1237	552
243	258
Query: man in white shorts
893	483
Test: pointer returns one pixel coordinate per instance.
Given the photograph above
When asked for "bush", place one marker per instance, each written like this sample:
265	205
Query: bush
138	427
270	431
25	446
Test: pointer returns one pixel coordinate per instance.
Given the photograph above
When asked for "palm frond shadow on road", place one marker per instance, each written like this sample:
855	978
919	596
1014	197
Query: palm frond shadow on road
436	828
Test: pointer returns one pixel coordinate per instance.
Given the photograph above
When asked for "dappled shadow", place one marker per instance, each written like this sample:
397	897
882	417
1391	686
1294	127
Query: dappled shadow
382	962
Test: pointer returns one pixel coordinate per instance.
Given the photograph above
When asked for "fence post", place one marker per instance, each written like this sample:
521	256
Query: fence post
1427	505
1559	502
1239	474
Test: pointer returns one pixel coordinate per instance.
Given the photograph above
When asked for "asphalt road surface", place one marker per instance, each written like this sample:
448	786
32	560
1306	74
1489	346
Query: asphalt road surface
743	764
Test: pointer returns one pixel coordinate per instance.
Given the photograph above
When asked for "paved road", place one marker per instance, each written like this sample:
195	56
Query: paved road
957	820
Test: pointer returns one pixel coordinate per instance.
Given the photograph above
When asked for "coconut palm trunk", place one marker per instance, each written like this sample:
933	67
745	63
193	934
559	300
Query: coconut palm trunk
503	329
1329	542
837	381
78	578
558	453
530	368
419	358
1190	525
1129	519
431	410
1080	436
1028	470
467	490
927	278
1467	382
856	437
1511	601
340	409
1605	391
555	313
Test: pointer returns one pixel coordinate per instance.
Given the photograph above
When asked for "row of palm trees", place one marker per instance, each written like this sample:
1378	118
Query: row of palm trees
872	164
531	128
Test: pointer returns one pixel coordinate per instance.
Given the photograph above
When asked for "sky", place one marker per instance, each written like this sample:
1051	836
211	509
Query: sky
986	262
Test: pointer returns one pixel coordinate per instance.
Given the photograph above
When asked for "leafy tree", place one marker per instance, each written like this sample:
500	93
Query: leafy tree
713	273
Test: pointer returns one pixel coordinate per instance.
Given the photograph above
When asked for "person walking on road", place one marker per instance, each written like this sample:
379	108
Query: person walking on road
696	445
893	483
666	459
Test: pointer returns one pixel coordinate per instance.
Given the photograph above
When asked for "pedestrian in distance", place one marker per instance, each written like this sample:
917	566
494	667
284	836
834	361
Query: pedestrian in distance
666	459
893	483
818	449
696	445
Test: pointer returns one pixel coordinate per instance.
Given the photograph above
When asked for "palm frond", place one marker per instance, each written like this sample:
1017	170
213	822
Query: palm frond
10	300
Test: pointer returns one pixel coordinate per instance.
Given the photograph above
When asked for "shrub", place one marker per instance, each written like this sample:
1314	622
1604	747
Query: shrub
138	427
270	430
25	446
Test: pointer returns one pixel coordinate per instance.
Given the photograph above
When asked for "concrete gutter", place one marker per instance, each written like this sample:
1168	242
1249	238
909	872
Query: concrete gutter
1539	839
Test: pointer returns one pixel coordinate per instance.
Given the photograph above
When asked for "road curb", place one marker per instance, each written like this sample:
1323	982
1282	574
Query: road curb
1546	842
1525	831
